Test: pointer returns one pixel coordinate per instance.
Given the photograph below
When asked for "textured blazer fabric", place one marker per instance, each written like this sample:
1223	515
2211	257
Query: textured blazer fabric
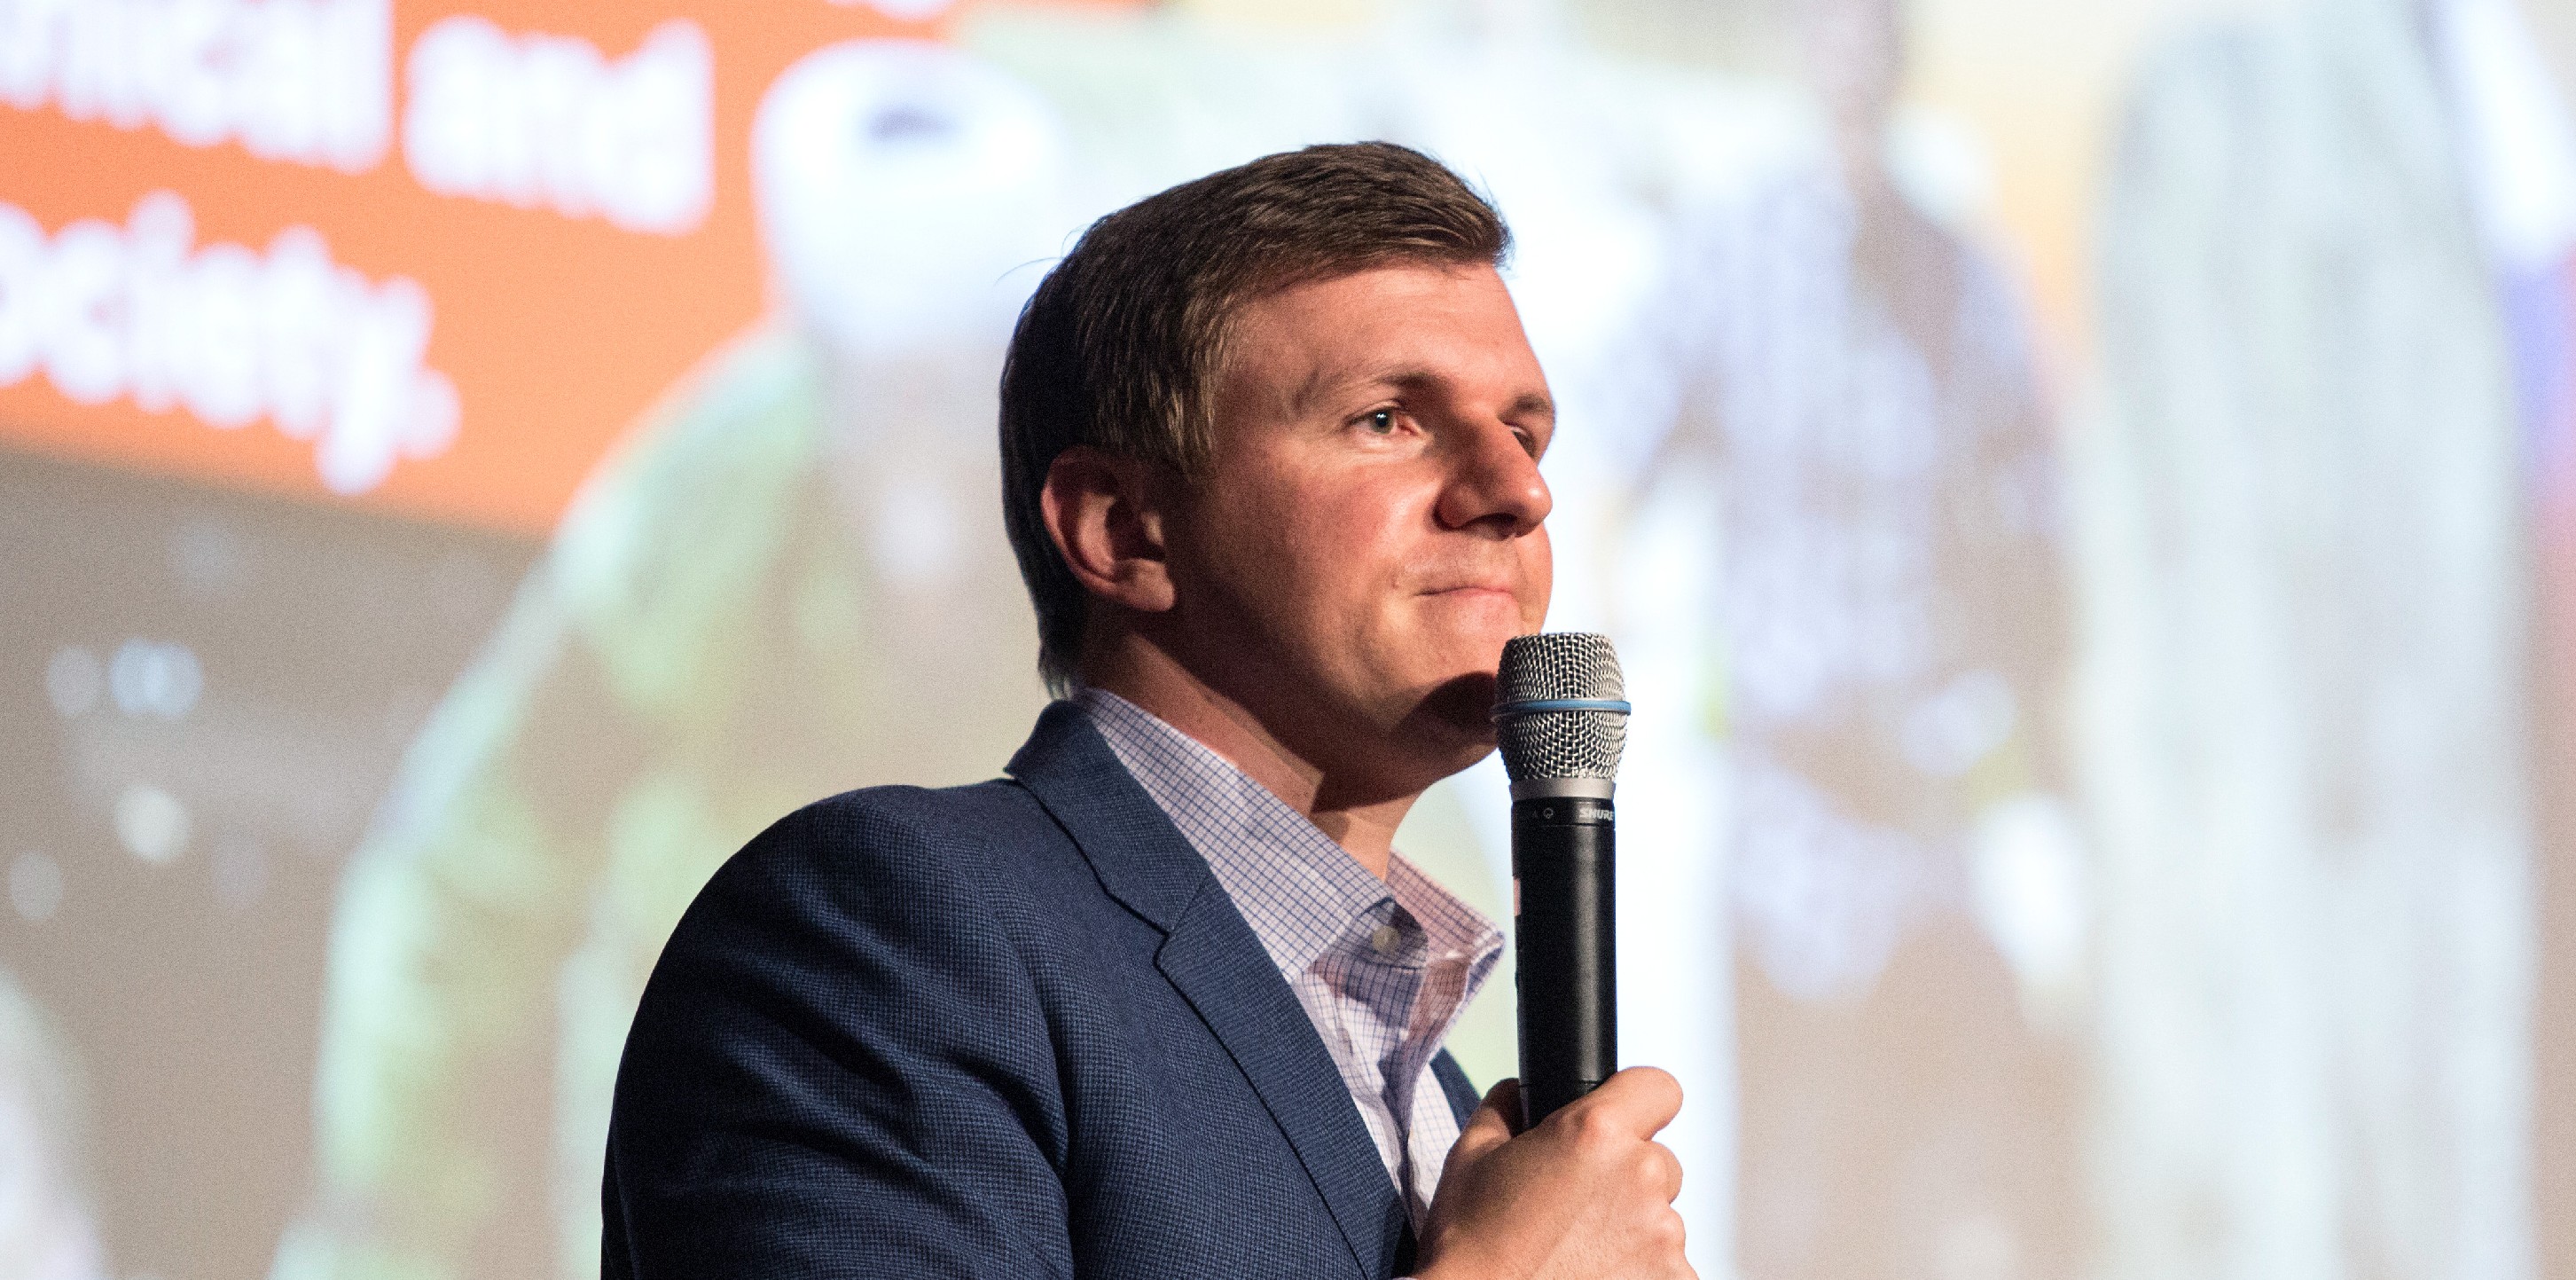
1008	1030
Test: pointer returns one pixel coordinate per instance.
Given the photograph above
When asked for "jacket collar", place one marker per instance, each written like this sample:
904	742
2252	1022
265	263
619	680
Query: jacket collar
1140	857
1213	959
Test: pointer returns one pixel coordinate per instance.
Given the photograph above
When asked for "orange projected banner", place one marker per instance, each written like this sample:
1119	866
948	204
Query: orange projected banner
430	260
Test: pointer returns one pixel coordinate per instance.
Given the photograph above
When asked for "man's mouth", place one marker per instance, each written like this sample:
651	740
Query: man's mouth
1467	586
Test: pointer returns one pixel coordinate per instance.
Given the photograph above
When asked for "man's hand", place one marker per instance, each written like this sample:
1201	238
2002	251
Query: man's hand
1587	1195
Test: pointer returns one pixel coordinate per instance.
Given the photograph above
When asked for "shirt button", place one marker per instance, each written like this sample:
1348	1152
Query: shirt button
1385	939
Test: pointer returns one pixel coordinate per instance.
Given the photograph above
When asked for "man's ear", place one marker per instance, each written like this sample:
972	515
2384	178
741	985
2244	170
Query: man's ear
1105	515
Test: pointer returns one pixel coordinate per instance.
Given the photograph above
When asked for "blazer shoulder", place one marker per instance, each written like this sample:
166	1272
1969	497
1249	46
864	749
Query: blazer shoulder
979	840
853	1032
882	890
998	814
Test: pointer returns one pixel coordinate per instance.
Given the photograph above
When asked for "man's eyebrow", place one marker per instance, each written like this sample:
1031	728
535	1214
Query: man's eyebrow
1321	383
1532	405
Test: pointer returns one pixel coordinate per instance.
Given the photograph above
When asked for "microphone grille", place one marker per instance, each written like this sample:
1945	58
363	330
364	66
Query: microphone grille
1570	743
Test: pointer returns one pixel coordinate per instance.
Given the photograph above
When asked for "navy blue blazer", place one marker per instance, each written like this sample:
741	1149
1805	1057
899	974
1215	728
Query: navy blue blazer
1010	1030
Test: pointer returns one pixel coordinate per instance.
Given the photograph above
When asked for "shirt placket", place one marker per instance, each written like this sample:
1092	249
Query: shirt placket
1410	1039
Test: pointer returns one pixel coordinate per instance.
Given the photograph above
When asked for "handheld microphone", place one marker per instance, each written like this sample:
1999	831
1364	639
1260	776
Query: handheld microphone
1561	717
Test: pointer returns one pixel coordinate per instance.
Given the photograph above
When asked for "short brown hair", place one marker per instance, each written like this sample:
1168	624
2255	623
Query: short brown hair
1122	343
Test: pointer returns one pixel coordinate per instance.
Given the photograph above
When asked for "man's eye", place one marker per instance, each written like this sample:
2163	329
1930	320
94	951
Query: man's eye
1381	421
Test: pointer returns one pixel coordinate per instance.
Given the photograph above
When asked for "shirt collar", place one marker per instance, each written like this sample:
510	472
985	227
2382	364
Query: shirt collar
1301	892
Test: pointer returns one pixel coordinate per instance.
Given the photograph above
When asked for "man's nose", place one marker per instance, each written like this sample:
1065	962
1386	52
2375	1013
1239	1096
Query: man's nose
1493	482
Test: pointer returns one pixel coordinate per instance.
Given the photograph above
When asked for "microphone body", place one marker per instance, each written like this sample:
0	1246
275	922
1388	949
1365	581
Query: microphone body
1565	949
1561	718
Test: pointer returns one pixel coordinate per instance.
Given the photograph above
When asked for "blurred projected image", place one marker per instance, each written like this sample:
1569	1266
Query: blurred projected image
47	1230
2334	299
789	581
1891	620
2084	500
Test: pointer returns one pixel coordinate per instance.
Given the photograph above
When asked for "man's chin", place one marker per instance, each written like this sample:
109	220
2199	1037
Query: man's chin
1461	707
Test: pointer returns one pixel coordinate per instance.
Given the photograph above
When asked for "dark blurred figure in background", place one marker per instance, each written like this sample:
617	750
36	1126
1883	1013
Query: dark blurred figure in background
1906	870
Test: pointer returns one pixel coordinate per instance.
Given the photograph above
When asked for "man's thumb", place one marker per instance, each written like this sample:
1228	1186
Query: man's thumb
1493	1123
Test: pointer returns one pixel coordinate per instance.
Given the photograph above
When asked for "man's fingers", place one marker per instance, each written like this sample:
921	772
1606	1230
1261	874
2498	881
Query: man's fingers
1644	1098
1672	1171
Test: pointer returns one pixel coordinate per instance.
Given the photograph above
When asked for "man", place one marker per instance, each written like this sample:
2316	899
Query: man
1164	1002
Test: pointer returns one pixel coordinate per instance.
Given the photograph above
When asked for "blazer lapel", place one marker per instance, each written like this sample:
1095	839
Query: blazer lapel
1220	967
1217	964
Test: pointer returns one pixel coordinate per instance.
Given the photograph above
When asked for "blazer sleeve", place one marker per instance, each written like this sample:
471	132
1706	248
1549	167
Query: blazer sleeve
841	1067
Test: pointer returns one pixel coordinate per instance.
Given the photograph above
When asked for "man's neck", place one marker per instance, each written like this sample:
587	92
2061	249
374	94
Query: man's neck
1152	679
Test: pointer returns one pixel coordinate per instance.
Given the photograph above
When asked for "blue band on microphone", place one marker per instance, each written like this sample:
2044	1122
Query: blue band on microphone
1515	710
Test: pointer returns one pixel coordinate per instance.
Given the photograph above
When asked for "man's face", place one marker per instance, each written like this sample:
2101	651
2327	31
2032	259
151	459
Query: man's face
1369	533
